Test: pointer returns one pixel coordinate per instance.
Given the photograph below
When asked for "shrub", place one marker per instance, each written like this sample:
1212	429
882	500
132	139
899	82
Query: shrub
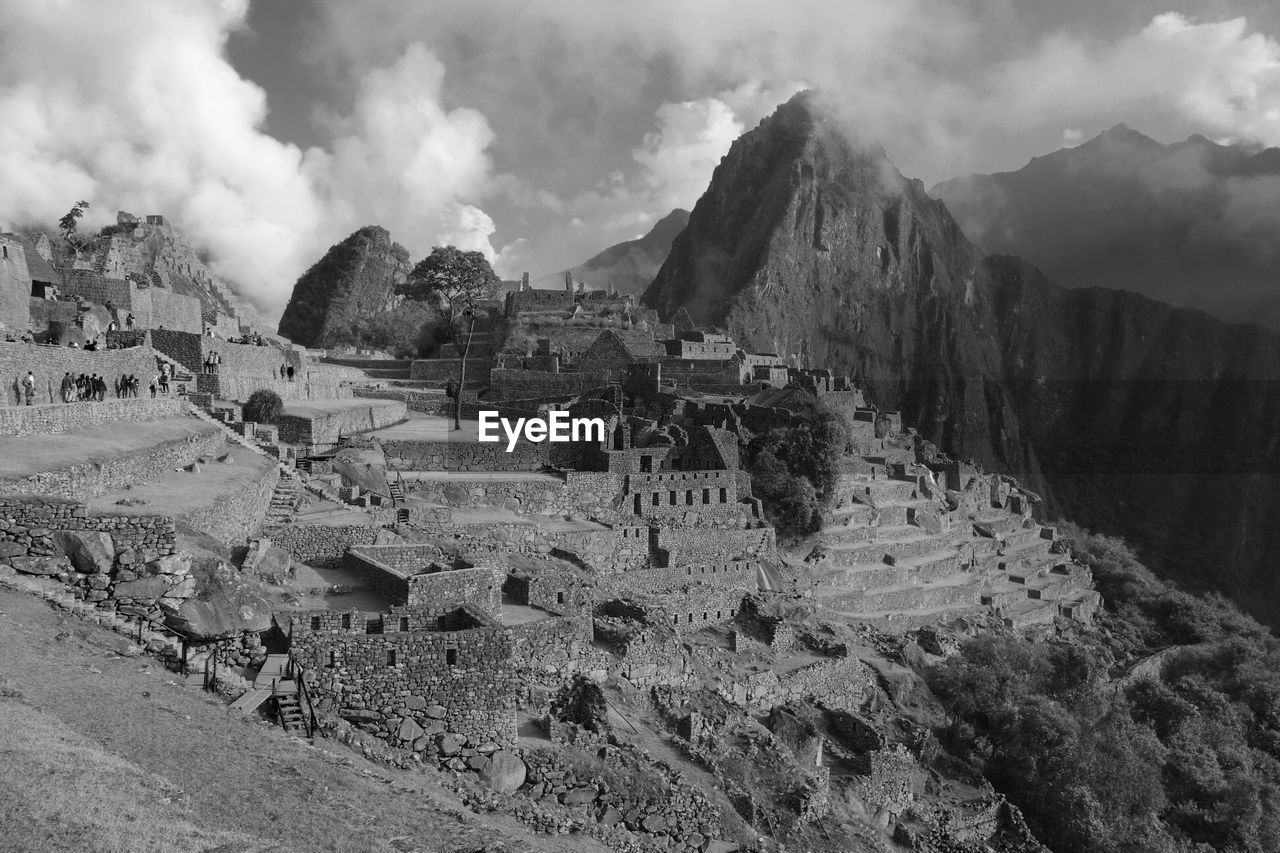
263	407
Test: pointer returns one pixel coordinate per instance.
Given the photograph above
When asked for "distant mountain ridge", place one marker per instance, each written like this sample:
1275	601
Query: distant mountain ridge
628	266
1133	416
1193	223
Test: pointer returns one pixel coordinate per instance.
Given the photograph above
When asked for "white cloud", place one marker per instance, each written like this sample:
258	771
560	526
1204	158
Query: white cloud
149	117
674	161
403	161
133	105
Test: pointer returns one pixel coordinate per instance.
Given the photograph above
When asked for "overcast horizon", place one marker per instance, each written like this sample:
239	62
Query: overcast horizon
543	134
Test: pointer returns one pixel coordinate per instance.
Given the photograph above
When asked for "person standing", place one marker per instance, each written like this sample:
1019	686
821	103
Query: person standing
29	387
68	387
153	387
289	372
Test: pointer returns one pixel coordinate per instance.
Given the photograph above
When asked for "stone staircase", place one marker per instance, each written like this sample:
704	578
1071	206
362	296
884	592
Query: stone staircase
289	708
285	500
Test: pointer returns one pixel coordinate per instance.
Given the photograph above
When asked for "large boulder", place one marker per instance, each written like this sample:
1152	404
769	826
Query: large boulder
90	552
12	549
409	730
226	601
175	565
151	589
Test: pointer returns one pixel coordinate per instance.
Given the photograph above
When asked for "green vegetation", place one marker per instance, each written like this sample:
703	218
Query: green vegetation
794	470
412	330
462	281
1156	729
263	407
67	224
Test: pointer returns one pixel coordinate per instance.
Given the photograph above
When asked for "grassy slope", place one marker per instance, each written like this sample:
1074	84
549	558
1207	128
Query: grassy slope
105	753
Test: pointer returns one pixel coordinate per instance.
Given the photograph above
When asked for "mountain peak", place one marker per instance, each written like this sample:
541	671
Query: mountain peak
1122	134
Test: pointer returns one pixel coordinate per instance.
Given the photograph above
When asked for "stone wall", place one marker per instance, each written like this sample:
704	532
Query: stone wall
157	308
320	545
54	418
183	347
15	284
694	547
239	386
468	455
738	575
50	315
33	522
550	646
508	384
444	369
325	428
234	518
91	478
404	574
460	682
49	363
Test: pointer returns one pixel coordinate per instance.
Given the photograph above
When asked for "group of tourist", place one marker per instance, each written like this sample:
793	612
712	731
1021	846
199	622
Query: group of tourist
89	387
286	372
211	362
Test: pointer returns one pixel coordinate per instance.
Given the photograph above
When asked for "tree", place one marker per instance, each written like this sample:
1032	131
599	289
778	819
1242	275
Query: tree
67	224
263	407
462	281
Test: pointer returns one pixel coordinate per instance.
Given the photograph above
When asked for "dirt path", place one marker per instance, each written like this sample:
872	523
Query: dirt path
109	753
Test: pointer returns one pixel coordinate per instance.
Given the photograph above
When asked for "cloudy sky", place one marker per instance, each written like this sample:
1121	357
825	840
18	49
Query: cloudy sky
541	132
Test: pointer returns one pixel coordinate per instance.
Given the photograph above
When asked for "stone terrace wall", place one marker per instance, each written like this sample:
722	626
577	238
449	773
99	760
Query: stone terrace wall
694	547
49	363
32	521
54	418
155	307
734	575
327	427
91	478
233	518
553	644
444	369
320	545
474	698
239	386
505	383
473	456
182	347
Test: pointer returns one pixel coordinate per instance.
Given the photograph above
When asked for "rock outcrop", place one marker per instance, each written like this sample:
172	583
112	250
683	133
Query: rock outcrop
1134	417
356	278
628	266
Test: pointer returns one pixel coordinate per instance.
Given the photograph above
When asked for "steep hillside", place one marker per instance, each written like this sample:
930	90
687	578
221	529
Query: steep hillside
1135	417
1191	223
355	279
628	266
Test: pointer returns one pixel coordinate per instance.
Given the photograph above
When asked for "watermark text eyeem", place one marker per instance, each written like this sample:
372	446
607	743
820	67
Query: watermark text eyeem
556	426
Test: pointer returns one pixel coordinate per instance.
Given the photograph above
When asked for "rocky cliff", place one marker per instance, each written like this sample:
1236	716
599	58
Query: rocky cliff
628	266
1133	416
1191	223
356	278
